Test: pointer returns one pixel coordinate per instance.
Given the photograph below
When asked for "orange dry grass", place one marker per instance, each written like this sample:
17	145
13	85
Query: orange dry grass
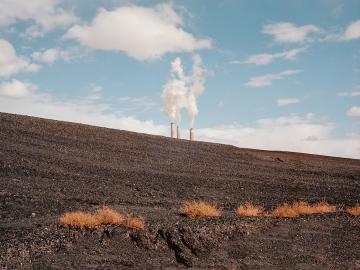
284	210
79	219
355	210
302	208
199	209
134	222
249	210
108	216
323	207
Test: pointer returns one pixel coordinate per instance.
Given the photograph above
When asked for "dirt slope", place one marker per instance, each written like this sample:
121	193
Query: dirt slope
49	167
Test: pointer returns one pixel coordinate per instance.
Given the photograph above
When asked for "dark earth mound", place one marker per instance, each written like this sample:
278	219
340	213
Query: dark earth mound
50	167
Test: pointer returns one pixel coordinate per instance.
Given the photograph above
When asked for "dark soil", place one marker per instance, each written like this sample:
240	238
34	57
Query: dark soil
50	167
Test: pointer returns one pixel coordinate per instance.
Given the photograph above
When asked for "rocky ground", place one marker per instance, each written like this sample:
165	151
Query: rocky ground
50	167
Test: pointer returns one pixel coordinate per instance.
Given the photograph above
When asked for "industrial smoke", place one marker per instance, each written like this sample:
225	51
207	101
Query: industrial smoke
181	91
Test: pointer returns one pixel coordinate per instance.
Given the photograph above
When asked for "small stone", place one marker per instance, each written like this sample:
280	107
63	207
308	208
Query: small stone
33	214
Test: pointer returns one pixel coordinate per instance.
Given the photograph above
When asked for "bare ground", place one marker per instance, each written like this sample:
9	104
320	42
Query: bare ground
50	167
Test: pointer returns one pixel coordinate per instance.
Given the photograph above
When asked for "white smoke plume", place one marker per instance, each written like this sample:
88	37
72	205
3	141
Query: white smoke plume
181	91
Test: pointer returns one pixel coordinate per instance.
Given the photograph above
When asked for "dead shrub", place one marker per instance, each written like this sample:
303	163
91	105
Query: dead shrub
249	210
302	208
134	222
354	211
78	219
109	216
199	209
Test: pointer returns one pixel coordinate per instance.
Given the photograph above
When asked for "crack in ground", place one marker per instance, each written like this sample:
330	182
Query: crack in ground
188	244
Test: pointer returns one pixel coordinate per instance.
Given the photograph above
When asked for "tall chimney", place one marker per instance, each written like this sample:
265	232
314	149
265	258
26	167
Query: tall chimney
172	129
191	134
177	132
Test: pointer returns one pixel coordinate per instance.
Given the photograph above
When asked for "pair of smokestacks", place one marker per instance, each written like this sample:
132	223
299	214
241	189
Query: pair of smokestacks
177	133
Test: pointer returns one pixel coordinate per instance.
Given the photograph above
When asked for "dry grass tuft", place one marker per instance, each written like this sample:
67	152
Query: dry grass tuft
199	209
103	216
78	219
134	222
249	210
108	216
302	208
323	207
355	210
284	210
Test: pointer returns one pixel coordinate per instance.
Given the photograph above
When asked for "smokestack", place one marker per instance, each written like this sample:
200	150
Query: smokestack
177	132
191	134
172	130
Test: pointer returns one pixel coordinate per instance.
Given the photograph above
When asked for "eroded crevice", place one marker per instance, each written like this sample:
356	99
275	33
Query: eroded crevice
187	243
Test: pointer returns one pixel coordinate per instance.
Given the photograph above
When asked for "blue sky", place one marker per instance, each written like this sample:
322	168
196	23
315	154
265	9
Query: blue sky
278	75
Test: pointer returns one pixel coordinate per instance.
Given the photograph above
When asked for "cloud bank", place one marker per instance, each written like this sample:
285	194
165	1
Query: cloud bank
288	133
22	100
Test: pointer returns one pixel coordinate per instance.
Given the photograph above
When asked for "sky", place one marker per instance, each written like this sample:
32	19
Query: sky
273	75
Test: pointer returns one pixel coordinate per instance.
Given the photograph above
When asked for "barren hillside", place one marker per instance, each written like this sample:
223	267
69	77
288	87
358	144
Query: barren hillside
49	167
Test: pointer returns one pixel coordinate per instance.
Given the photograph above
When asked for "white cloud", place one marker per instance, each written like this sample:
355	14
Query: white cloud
11	63
352	31
51	55
288	133
353	112
285	32
287	101
16	89
349	94
266	80
46	14
141	32
267	58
